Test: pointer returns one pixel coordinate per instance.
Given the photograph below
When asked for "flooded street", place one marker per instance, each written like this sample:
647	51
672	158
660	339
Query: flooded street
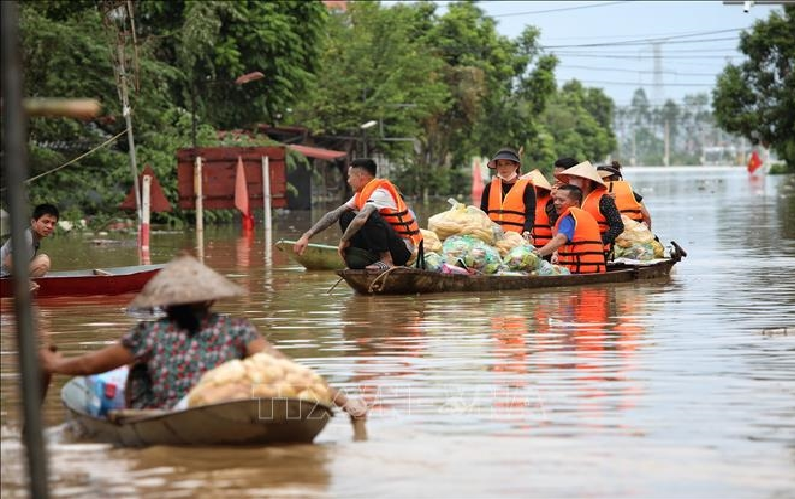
677	388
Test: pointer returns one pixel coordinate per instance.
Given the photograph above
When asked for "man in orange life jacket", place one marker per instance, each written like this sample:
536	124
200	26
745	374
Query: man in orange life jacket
379	230
577	239
628	202
507	199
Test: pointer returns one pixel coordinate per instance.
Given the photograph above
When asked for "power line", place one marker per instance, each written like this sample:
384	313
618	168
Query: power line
636	71
594	82
677	34
604	4
641	56
645	41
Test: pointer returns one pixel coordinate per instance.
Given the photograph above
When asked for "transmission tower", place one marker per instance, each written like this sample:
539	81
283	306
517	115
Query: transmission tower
658	93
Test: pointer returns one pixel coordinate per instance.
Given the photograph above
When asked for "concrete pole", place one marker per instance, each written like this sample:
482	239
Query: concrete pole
146	209
667	157
125	101
266	206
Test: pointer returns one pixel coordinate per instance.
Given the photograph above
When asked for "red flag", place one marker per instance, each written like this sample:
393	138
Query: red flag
754	162
241	188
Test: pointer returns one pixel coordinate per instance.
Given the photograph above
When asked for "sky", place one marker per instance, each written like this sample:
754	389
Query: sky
689	66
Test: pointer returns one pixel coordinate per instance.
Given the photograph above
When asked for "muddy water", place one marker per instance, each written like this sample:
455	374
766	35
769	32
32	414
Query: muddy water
679	388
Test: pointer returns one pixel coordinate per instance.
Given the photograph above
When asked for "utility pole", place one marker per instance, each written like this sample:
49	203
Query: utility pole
667	157
125	102
632	162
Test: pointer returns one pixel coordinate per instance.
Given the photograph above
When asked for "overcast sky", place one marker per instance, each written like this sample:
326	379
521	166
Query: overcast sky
690	66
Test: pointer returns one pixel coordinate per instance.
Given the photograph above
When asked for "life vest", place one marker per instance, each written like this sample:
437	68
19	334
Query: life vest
625	199
508	212
584	254
401	219
591	205
542	227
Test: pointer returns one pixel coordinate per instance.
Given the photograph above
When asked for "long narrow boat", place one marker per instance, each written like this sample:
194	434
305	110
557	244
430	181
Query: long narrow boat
409	281
315	257
240	422
88	282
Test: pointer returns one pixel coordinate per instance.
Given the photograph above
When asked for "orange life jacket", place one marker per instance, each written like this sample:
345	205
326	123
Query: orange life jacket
542	227
625	199
584	254
591	205
401	219
508	212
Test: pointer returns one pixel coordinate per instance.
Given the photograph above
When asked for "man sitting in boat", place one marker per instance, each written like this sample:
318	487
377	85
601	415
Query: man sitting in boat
576	240
596	201
42	224
170	355
509	200
628	202
379	230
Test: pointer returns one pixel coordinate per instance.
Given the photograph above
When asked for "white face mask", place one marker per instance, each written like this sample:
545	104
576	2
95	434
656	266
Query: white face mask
509	177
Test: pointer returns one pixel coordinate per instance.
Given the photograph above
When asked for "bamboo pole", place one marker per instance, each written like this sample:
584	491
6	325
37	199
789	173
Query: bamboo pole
16	167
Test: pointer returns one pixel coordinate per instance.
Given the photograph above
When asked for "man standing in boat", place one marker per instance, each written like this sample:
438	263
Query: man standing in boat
379	230
576	235
42	224
628	202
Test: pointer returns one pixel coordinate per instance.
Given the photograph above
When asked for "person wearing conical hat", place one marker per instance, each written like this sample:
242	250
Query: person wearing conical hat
545	216
508	200
596	200
628	202
169	355
560	165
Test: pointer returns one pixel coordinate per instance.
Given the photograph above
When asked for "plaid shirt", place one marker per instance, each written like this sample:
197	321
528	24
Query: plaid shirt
170	363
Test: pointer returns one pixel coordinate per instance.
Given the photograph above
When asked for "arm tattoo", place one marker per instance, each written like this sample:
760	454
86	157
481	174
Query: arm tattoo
326	221
358	222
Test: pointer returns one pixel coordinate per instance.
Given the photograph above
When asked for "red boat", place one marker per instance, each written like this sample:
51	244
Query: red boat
88	282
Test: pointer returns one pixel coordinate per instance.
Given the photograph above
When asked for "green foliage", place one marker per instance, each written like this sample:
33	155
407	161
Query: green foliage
579	122
758	96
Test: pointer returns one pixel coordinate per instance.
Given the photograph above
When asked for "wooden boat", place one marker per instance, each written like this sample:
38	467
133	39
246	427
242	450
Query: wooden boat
240	422
316	256
409	281
89	282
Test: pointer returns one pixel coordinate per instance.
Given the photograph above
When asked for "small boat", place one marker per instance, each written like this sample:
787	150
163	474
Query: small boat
89	282
315	257
409	281
240	422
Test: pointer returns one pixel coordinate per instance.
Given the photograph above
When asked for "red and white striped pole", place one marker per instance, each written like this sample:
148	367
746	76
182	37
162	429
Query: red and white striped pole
145	208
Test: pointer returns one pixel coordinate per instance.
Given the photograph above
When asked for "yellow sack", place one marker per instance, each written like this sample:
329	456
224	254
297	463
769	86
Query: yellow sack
259	376
431	242
464	221
509	241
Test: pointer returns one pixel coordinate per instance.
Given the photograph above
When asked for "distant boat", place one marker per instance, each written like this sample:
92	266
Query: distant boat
88	282
239	422
315	257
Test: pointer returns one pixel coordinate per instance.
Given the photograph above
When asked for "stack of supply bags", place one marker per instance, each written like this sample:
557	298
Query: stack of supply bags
637	242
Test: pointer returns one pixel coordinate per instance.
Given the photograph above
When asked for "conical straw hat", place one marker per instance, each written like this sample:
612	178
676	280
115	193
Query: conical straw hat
538	179
185	280
581	170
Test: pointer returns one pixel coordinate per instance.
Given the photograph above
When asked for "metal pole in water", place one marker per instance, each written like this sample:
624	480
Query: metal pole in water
16	167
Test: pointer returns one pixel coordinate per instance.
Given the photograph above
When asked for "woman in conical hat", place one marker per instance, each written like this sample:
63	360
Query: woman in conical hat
189	341
507	199
595	200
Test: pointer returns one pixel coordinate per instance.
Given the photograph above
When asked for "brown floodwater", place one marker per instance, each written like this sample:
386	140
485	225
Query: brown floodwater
677	388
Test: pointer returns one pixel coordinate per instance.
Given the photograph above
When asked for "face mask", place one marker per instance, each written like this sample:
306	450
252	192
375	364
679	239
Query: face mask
508	177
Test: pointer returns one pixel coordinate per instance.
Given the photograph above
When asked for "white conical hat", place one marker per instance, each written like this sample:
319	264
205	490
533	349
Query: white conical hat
581	170
185	280
538	179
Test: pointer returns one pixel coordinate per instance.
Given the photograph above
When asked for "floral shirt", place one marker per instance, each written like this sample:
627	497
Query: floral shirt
170	363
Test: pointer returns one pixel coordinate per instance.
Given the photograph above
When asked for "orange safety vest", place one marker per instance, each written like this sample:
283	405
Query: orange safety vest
401	219
508	212
591	205
625	199
584	254
542	227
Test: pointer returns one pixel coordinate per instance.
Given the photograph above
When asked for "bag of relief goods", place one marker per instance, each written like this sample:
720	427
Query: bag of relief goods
262	375
471	252
521	258
465	220
431	242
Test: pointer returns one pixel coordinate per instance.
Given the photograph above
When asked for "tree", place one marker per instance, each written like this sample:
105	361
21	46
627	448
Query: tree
758	95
